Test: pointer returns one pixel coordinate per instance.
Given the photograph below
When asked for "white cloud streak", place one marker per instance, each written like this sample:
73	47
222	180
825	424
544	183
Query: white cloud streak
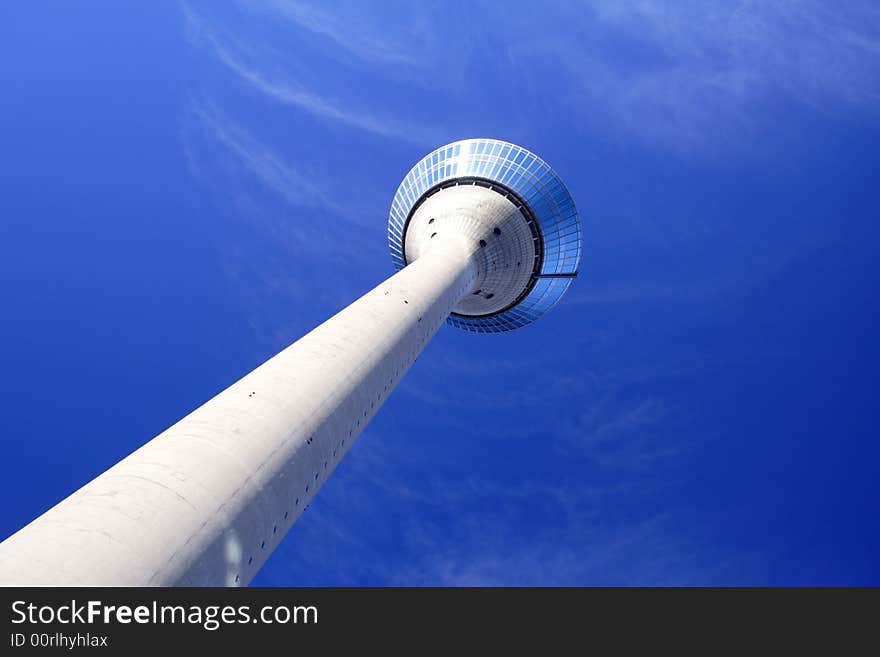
685	74
702	73
281	177
346	34
286	89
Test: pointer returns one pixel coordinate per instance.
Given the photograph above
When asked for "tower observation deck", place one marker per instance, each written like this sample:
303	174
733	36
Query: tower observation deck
484	235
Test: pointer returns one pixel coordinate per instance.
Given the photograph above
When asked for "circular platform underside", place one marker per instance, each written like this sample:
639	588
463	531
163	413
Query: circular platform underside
499	229
524	189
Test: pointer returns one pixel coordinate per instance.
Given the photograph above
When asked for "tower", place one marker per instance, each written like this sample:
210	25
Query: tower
485	237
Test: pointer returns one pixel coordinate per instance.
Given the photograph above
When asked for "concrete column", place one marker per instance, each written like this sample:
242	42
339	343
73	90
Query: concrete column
208	500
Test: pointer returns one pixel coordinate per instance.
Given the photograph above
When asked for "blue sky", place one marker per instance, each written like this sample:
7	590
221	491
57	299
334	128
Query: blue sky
187	188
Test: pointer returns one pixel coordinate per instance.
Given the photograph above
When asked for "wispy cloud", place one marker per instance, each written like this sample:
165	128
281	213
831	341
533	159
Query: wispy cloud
807	48
648	551
571	537
693	73
285	88
694	290
698	73
345	33
289	182
280	223
394	41
623	436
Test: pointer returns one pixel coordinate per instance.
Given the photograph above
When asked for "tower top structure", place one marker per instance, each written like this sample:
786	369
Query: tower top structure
514	205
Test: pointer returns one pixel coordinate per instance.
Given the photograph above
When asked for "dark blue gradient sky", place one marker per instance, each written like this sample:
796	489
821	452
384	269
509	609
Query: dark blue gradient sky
187	188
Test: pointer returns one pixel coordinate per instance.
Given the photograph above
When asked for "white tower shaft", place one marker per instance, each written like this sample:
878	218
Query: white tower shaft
207	500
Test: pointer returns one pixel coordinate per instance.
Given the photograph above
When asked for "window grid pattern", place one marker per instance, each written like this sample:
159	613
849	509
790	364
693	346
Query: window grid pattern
536	183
